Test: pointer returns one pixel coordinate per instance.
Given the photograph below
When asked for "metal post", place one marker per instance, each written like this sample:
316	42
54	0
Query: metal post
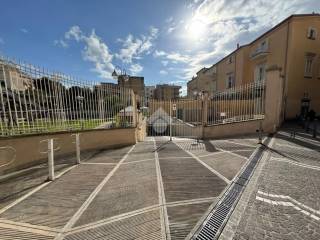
50	160
170	120
78	147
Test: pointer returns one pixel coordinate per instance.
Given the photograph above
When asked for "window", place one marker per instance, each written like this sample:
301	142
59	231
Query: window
230	81
264	45
312	33
230	60
260	73
308	67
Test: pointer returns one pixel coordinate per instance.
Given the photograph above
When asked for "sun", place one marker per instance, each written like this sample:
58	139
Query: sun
196	29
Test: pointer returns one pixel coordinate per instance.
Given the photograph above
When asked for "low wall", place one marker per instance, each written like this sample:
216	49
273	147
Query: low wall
231	129
28	148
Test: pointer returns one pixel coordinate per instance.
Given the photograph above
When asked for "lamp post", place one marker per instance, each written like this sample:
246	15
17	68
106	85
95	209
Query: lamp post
122	73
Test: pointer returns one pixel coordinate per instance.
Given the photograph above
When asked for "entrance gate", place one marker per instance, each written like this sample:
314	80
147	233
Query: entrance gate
175	118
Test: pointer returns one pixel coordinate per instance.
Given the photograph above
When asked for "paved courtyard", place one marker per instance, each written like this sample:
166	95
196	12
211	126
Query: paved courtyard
153	190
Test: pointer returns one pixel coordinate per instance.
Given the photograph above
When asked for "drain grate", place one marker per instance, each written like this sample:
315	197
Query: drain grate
214	223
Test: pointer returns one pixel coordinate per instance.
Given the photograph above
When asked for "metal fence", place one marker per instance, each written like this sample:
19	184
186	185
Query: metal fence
243	103
36	100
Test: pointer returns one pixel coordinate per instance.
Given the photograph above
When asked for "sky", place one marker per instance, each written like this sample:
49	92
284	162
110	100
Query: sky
166	41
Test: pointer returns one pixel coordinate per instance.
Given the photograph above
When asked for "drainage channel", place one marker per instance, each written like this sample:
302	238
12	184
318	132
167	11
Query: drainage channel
213	225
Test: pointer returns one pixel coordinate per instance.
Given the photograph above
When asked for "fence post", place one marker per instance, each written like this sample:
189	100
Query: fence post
273	99
50	160
204	110
170	118
78	147
134	108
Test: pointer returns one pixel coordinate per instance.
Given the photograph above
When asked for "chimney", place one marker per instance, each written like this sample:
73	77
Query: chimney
238	45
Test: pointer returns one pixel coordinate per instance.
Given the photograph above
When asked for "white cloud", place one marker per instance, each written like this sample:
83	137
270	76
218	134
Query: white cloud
95	51
74	33
135	68
159	53
163	72
135	47
164	63
61	43
24	30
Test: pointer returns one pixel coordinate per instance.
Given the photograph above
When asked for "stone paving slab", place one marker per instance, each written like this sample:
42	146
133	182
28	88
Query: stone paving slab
142	151
230	146
15	187
108	156
185	178
167	149
132	187
183	218
143	226
58	201
14	234
225	163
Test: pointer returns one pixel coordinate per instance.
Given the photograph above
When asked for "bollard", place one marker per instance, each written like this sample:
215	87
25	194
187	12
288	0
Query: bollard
50	160
78	147
260	132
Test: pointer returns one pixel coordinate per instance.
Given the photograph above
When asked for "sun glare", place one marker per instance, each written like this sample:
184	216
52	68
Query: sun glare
196	29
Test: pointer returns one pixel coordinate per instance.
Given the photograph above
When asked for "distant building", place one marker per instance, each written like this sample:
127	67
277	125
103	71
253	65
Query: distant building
13	79
292	45
206	80
149	91
166	92
133	82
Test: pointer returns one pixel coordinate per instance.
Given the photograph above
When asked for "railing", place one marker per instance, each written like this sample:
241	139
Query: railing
243	103
36	100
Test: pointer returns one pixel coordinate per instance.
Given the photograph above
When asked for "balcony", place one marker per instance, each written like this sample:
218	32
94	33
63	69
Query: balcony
259	52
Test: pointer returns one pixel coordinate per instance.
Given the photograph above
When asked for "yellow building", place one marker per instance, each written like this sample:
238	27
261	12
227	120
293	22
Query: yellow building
204	81
294	46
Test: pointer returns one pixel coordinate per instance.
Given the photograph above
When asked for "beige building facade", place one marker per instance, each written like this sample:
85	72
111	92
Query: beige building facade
293	46
166	92
133	82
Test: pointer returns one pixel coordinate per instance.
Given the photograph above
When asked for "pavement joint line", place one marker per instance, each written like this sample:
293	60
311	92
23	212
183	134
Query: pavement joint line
287	204
173	157
190	202
224	151
295	163
27	227
144	160
34	190
164	220
205	165
111	219
95	192
290	199
231	152
241	144
97	163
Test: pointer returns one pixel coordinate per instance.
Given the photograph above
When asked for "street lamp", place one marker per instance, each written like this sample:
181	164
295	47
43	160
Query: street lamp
123	73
